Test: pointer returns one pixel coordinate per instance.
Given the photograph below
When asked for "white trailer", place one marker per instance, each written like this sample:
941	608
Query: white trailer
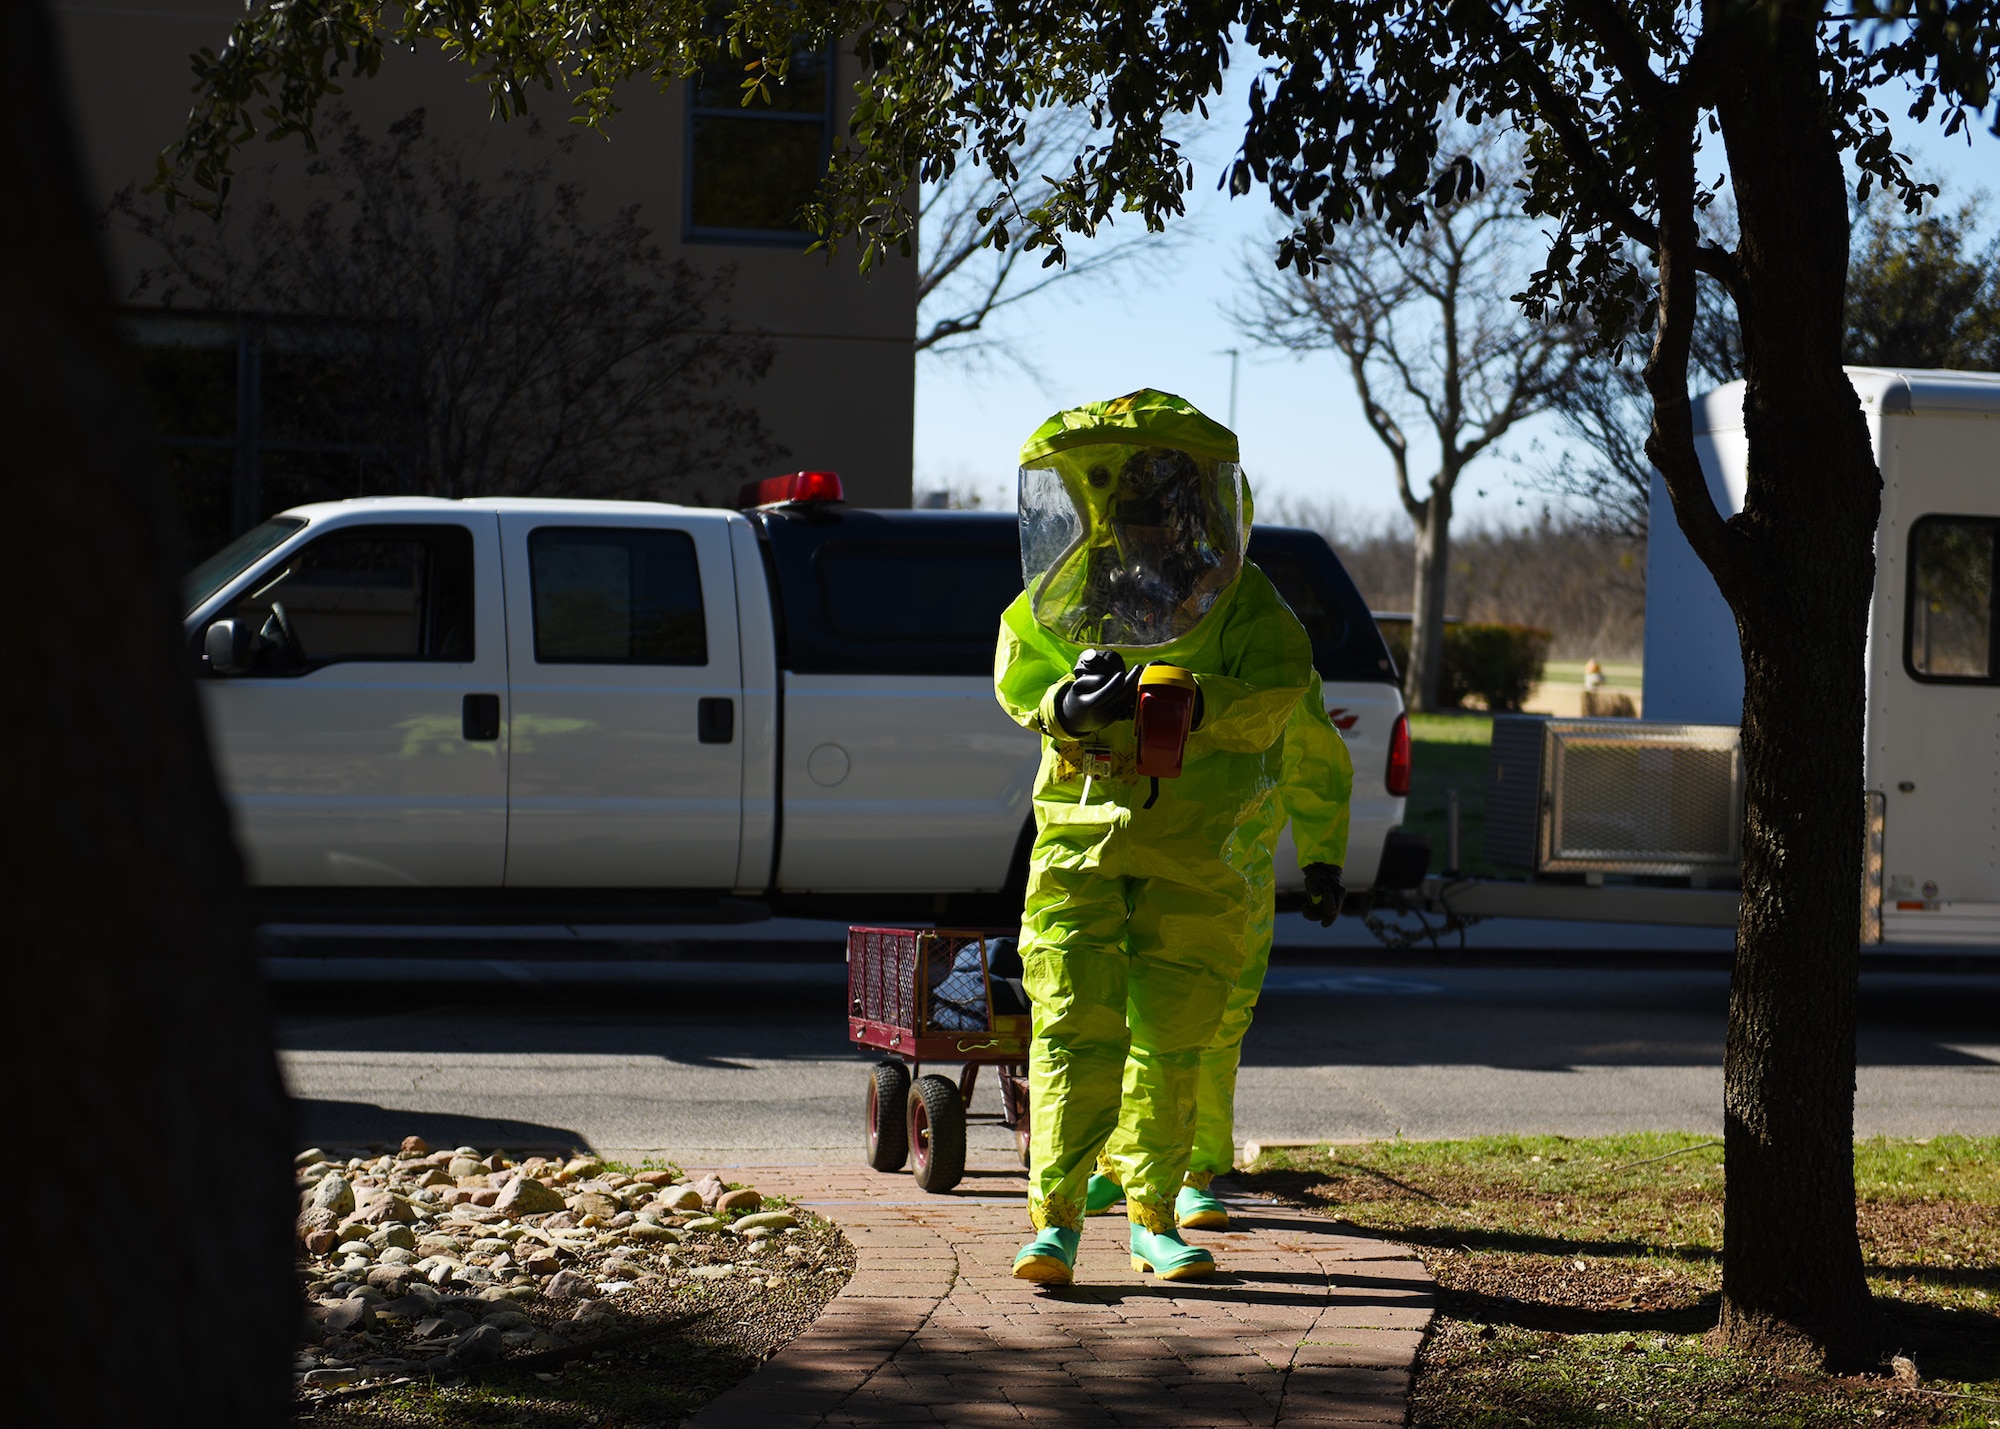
1933	720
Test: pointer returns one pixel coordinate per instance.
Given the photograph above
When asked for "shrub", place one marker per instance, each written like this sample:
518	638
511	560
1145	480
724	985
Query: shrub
1496	663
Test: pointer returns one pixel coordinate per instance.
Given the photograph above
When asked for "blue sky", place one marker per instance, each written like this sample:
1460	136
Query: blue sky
1165	324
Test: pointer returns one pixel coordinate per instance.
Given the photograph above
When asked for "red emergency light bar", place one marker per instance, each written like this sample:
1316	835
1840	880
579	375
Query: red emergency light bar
796	486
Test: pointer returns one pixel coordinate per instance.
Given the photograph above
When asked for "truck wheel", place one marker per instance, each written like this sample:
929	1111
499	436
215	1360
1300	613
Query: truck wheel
937	1133
888	1139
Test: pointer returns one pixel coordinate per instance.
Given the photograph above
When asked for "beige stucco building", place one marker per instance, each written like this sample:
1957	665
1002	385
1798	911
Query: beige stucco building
840	392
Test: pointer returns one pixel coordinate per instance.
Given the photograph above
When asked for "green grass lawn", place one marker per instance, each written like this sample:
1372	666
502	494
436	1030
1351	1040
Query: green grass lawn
1448	751
1577	1279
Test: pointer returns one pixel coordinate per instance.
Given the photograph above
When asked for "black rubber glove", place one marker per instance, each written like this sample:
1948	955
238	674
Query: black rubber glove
1324	892
1101	692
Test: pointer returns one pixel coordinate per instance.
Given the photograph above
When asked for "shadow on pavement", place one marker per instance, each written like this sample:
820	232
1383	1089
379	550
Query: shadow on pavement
332	1124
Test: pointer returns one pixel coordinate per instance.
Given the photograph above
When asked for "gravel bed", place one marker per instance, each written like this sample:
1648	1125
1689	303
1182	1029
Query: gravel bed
464	1286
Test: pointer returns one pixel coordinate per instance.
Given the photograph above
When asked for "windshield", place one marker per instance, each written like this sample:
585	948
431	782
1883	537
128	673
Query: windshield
235	558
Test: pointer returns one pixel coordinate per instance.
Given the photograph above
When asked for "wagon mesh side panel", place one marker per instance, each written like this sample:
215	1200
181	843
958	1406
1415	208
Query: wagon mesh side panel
882	975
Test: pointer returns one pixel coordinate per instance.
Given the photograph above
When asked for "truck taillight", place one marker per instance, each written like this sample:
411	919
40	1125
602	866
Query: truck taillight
795	486
1398	778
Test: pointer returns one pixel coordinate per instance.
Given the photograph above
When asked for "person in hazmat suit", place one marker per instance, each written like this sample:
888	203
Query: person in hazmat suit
1315	792
1140	889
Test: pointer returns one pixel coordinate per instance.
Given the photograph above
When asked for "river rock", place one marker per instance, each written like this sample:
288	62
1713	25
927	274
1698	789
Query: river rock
331	1378
567	1283
703	1223
712	1272
542	1260
462	1166
593	1203
581	1168
733	1201
333	1194
415	1146
392	1278
655	1178
647	1231
395	1234
711	1189
353	1313
680	1198
385	1208
477	1346
525	1196
767	1221
309	1158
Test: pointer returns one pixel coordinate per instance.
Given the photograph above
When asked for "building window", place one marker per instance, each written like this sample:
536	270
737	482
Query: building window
751	168
1948	636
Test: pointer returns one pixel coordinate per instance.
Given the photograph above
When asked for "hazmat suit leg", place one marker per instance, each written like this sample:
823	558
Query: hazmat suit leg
1214	1150
1119	966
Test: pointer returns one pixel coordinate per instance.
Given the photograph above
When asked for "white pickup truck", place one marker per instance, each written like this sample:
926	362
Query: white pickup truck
786	703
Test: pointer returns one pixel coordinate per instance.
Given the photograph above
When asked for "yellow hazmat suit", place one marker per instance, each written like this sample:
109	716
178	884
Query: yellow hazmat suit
1316	790
1133	934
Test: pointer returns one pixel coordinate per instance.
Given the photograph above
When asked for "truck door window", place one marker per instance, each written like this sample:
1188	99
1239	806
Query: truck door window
1948	633
875	591
363	593
616	595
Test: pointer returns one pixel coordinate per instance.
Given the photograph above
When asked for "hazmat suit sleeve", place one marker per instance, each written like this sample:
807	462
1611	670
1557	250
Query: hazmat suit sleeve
1269	656
1318	781
1028	671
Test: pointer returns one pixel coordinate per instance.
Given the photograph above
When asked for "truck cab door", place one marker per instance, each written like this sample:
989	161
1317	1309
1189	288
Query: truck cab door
627	762
363	737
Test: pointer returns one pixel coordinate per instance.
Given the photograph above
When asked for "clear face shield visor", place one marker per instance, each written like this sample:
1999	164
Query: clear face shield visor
1126	545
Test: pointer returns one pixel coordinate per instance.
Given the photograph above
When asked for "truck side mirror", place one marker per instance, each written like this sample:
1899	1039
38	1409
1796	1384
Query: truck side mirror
225	649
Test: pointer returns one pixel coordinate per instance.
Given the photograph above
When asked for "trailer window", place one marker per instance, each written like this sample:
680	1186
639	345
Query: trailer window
610	595
1948	635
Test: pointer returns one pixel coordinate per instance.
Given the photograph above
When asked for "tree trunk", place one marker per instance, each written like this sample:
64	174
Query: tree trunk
139	1051
1792	1282
1421	682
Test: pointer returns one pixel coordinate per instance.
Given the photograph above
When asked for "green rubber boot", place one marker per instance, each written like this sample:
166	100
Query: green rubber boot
1196	1208
1168	1256
1050	1258
1101	1195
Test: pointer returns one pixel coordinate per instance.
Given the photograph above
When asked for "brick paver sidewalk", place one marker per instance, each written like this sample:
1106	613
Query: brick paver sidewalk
1304	1326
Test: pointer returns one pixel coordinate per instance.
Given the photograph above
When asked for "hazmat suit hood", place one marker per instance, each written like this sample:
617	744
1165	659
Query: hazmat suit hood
1134	514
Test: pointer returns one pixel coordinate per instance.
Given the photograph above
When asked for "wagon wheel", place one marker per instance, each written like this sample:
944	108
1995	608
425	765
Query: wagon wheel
937	1133
888	1140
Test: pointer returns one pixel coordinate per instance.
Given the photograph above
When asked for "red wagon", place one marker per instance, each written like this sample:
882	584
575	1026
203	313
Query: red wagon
930	995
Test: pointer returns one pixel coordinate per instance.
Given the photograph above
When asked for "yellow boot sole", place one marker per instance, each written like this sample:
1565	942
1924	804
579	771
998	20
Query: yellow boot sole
1043	1270
1194	1270
1204	1221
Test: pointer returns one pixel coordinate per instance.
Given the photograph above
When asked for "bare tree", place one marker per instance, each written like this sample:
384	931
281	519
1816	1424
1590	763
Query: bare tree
964	276
1608	413
1432	336
485	339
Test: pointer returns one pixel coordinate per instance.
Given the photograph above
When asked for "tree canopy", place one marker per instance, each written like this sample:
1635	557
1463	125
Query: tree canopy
1636	116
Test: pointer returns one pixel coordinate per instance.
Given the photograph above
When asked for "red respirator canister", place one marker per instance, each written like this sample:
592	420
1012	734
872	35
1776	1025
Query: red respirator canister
1161	722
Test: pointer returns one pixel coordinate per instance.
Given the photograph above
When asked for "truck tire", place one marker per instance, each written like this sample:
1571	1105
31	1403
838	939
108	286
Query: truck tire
887	1134
937	1133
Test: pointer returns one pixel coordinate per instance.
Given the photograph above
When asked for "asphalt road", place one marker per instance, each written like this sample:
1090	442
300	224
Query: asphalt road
715	1070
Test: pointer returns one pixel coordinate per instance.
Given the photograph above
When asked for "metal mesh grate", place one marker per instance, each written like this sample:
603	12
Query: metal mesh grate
886	967
1642	798
882	974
